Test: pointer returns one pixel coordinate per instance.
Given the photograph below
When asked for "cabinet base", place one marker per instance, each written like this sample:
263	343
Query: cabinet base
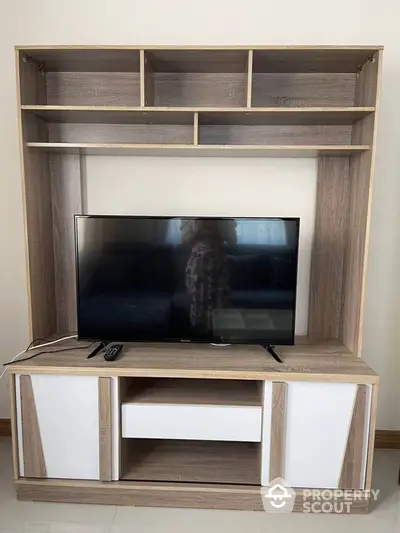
191	495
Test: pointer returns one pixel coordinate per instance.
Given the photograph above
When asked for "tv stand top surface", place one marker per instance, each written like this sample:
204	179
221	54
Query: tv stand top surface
330	361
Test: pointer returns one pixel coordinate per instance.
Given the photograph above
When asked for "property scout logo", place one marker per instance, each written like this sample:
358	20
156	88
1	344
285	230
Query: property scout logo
279	497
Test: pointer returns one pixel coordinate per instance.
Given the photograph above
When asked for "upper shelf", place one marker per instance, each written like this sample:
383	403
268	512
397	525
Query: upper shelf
181	150
220	116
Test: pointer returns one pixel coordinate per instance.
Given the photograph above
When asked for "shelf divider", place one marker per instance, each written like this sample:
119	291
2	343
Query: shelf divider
249	78
196	129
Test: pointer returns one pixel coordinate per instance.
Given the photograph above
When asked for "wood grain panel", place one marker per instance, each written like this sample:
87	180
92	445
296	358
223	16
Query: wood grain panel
329	362
66	198
148	82
105	430
361	180
193	392
39	228
200	89
275	135
199	61
32	82
387	439
367	82
310	60
86	59
122	133
302	90
37	211
34	464
93	88
350	477
192	461
277	449
200	496
328	256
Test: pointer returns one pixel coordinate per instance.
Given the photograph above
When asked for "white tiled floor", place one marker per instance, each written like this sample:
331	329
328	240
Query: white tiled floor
23	517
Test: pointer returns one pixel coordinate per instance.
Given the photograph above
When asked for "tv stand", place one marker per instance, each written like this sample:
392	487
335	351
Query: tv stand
271	350
186	425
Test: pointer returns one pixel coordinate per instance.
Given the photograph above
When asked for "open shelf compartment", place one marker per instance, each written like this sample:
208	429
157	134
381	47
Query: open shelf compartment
80	77
196	78
191	461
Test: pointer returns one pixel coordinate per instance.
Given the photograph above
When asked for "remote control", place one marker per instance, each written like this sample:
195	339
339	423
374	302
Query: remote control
112	352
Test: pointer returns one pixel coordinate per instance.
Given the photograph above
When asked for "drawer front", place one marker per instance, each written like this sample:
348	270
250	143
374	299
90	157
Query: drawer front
225	423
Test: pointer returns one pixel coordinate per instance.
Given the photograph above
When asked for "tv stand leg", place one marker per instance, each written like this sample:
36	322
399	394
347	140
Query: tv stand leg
271	350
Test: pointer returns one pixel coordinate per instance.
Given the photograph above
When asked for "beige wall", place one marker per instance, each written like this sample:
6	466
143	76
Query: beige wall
211	22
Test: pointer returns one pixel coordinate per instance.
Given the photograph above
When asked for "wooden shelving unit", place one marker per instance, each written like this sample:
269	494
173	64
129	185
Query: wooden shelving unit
184	425
223	101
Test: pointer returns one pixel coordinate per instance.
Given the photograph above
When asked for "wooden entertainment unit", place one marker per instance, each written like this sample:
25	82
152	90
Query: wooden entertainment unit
195	425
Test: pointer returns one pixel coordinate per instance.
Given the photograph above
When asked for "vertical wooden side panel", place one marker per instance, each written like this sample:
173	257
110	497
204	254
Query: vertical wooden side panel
329	248
249	78
36	197
371	436
276	467
105	430
66	196
14	431
350	477
362	168
34	465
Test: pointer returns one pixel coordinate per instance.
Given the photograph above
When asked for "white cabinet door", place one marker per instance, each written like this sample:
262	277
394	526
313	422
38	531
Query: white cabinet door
65	413
316	427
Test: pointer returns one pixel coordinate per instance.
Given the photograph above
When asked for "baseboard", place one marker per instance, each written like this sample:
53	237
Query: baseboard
387	439
5	427
384	439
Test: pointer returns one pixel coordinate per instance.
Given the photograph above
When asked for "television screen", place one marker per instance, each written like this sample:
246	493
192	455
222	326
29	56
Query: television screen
220	280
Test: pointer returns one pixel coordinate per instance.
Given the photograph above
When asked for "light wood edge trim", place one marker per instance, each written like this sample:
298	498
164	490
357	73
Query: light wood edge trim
196	129
197	47
278	411
13	421
34	463
378	57
142	80
354	449
200	374
23	190
327	149
105	436
371	436
249	78
272	110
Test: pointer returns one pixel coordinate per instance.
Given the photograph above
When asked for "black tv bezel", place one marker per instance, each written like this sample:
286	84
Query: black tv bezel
220	339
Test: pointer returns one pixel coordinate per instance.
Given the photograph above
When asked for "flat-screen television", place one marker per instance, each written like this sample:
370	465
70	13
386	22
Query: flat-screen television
183	279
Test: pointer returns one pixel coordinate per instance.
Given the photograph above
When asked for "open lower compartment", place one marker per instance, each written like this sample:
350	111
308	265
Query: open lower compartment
191	461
